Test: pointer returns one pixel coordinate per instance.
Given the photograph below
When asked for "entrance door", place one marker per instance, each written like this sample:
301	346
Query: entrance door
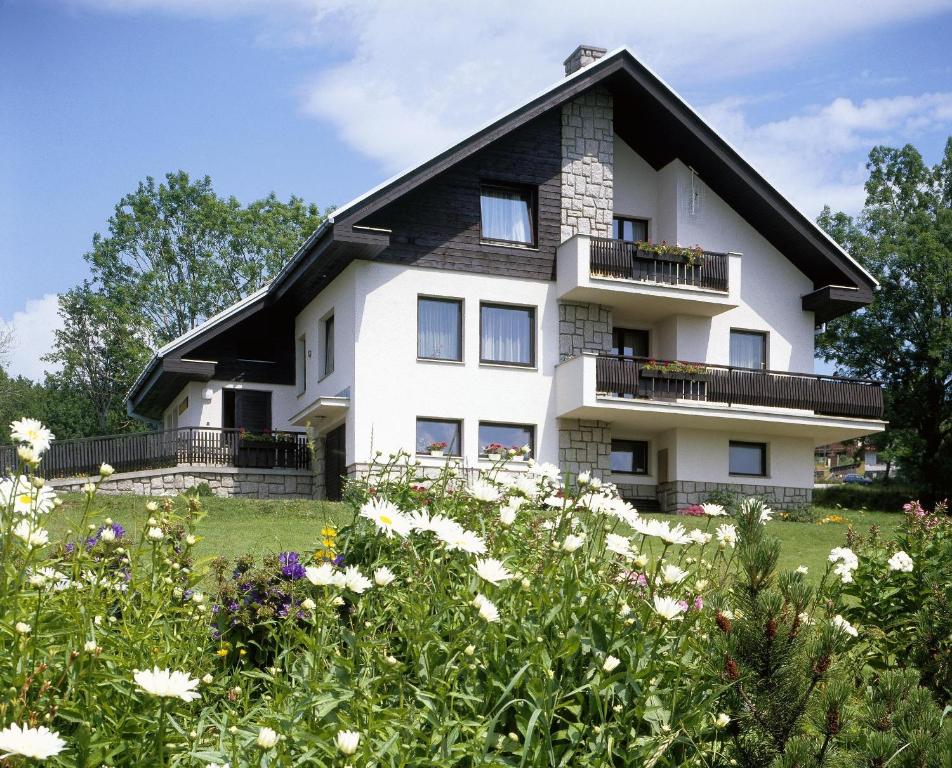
334	463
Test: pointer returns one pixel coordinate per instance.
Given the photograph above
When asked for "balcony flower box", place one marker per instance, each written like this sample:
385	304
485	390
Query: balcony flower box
437	449
675	375
265	450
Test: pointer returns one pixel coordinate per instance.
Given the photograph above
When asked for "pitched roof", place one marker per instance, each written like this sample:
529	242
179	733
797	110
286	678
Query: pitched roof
841	283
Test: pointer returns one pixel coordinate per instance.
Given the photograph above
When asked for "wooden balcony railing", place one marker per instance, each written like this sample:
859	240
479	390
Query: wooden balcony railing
621	259
826	395
208	446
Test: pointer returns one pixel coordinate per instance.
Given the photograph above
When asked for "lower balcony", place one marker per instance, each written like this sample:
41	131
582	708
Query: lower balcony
657	395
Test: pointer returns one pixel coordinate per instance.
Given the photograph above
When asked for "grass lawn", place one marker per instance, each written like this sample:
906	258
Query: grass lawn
235	526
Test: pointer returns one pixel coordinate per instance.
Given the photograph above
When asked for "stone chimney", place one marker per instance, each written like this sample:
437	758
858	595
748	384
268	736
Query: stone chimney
582	57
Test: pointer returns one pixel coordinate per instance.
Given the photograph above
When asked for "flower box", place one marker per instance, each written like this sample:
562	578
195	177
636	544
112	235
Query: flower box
437	453
254	454
648	373
494	456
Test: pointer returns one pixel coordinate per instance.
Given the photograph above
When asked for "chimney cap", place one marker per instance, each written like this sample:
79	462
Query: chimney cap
582	56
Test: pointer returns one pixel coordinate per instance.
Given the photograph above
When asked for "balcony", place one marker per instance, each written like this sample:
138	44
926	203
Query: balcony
657	395
611	272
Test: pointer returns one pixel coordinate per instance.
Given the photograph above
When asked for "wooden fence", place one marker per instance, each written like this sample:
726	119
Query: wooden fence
207	446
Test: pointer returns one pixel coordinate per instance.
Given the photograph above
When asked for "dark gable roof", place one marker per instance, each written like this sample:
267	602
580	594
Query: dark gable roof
649	116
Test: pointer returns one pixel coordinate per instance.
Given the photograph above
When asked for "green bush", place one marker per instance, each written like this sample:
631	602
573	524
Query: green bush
876	497
901	590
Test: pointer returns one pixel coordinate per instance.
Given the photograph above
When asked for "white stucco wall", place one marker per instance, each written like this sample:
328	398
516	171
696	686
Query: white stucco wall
771	287
704	455
205	411
392	388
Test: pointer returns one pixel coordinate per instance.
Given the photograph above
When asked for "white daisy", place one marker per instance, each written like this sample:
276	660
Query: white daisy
454	537
618	544
355	581
713	510
320	575
487	608
167	684
385	515
492	570
35	743
726	535
31	536
572	542
671	574
267	737
667	607
25	497
347	741
483	490
610	664
33	432
383	576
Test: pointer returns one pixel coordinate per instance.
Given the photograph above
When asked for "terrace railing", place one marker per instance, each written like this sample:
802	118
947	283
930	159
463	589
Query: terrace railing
208	446
623	259
638	377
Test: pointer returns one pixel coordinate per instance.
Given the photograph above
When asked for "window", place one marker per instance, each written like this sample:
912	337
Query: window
439	328
632	230
748	459
183	406
300	367
507	214
507	334
630	457
328	360
433	431
630	342
505	436
749	349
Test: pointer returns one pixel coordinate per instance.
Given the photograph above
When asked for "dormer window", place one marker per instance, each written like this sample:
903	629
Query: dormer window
507	214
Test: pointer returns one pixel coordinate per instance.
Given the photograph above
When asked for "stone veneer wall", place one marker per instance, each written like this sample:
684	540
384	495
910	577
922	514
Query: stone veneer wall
588	150
584	328
317	466
223	481
585	446
676	494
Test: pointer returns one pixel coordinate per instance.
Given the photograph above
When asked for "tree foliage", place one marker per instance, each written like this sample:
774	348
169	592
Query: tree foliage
180	253
904	338
174	254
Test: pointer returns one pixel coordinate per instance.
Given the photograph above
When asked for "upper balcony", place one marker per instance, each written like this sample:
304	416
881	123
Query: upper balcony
654	395
611	272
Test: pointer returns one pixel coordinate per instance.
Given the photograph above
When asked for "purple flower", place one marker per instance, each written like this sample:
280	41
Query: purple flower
698	603
683	605
291	566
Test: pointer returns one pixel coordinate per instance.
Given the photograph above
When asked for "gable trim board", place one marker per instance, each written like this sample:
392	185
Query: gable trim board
641	97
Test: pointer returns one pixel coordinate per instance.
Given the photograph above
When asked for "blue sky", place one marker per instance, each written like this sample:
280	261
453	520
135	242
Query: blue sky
325	98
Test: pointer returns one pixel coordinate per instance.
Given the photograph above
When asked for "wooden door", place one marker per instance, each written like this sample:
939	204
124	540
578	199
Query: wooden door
335	464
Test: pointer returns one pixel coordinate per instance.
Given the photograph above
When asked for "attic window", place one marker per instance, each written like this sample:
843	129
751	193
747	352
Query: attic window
507	214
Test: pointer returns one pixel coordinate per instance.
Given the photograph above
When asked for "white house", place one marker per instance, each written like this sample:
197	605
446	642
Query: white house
513	289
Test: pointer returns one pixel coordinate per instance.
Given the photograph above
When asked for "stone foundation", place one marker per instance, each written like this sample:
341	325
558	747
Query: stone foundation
223	481
674	495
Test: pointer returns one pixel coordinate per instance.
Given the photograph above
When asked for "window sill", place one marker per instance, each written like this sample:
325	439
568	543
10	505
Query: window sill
510	244
324	376
755	477
438	361
508	366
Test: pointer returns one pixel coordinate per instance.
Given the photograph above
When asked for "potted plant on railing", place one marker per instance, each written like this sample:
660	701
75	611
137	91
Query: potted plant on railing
437	448
693	256
494	451
674	369
519	453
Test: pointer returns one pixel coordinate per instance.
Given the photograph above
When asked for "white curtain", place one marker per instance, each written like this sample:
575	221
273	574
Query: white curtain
748	350
505	215
438	331
507	335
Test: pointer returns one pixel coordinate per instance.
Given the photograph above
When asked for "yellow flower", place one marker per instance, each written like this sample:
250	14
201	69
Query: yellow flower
222	652
328	532
242	652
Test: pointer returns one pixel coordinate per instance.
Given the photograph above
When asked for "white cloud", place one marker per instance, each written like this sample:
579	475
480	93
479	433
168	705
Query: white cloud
818	157
407	77
33	328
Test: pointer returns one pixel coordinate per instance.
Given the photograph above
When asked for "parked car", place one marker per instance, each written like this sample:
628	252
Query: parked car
857	480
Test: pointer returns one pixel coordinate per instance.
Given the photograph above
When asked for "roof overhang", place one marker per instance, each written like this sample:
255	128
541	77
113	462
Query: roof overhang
322	413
